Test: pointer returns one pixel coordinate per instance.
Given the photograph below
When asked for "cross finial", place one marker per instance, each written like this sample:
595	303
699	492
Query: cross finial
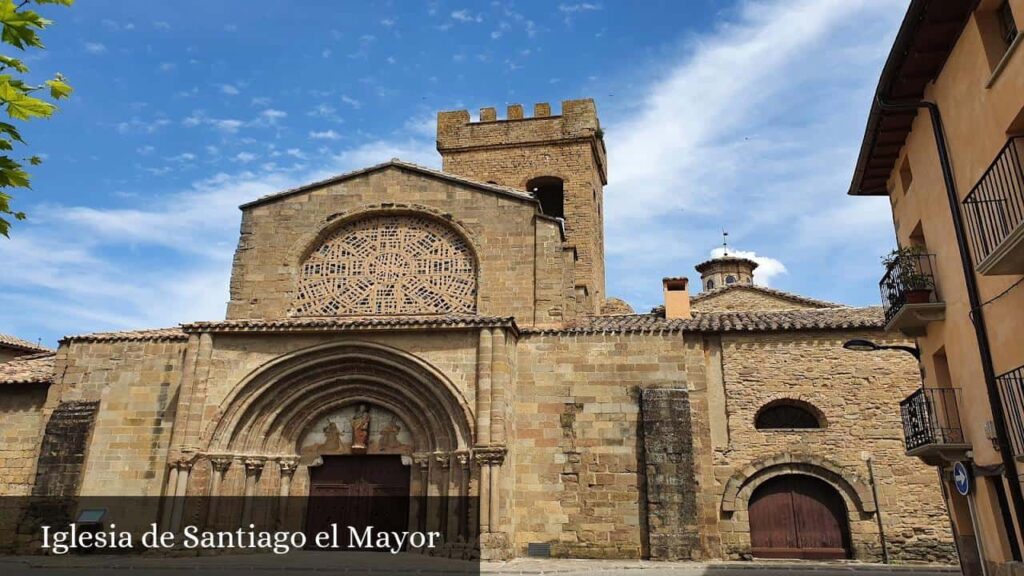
725	243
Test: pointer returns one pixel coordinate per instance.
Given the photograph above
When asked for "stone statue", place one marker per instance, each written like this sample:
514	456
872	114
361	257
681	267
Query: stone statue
360	429
389	436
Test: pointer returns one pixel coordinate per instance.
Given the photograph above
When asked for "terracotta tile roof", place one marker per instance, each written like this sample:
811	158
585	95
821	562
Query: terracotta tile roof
156	334
301	324
8	341
769	291
505	190
760	321
33	369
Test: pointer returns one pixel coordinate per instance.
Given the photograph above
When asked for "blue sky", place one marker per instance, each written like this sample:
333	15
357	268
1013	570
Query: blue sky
744	115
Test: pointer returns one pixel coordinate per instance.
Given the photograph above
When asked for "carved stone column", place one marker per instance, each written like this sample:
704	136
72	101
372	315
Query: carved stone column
442	481
219	465
288	467
459	532
483	388
253	471
489	459
418	504
184	466
169	489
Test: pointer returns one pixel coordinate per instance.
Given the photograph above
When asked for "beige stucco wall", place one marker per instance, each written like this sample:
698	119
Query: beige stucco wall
502	230
977	119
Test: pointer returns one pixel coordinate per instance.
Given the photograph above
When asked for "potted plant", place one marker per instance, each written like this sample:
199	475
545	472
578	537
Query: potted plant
905	263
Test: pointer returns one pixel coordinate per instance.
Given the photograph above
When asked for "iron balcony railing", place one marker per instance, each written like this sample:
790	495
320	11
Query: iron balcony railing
930	417
995	206
1011	390
910	278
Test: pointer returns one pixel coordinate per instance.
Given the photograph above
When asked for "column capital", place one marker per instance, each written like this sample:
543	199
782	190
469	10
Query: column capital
288	465
443	458
489	455
254	464
422	460
464	457
220	462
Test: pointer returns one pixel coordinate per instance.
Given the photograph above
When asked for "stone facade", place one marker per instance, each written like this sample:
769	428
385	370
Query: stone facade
611	435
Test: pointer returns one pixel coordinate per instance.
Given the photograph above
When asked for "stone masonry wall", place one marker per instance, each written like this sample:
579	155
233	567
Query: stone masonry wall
858	394
510	152
669	468
135	383
21	425
577	440
276	235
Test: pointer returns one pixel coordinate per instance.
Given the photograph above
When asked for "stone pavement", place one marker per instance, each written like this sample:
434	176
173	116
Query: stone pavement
311	562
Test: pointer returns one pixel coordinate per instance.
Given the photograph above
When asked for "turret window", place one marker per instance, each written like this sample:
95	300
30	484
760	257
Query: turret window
730	279
550	191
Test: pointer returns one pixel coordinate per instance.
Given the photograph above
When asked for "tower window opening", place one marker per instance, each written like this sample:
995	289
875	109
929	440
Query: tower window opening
730	279
550	191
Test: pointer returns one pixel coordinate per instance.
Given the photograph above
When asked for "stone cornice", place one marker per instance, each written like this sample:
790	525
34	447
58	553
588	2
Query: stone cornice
346	324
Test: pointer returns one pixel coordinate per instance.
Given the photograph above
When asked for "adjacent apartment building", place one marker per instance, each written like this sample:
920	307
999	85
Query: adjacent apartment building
945	142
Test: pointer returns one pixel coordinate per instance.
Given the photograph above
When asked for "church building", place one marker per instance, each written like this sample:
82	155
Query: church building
448	333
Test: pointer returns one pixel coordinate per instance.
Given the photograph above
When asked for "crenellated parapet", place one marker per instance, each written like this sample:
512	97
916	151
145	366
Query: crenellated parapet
577	122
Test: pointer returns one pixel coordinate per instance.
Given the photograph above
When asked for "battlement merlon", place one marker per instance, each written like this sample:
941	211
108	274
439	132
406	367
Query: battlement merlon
577	122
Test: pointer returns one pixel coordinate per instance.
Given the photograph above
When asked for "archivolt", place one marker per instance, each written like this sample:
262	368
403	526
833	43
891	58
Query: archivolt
743	483
270	410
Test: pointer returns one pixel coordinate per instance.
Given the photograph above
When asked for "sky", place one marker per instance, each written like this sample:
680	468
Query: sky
741	115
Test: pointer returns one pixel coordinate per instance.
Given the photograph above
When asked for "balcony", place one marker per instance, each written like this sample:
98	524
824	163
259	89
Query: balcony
931	426
1011	391
994	211
909	296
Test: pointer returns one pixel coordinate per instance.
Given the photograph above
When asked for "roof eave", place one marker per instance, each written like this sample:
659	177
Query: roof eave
890	72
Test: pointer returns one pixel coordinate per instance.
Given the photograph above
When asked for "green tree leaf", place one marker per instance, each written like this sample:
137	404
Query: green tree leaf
20	27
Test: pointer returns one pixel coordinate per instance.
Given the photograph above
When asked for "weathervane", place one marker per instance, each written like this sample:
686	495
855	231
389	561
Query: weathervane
725	243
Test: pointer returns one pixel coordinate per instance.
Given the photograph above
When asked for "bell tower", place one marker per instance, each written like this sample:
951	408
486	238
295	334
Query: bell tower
561	159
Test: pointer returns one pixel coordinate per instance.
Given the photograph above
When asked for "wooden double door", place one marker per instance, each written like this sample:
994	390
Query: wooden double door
358	491
797	516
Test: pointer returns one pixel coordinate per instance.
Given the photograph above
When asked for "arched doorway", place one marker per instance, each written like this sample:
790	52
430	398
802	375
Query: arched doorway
359	491
797	516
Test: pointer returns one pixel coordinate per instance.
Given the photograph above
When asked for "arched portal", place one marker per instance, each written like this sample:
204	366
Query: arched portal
798	516
343	421
271	410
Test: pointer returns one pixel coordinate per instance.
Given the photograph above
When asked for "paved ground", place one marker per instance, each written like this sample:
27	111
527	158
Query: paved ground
309	562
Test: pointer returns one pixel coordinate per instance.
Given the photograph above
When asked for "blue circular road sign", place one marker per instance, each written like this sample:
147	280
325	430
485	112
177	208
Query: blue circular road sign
961	479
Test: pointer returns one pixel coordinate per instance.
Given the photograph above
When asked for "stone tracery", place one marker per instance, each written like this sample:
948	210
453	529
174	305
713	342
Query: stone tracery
388	264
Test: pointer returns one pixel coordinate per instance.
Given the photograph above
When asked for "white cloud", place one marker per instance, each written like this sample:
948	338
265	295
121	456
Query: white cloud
72	269
229	89
465	16
346	99
387	22
424	125
95	48
767	267
578	7
137	125
325	135
768	146
228	125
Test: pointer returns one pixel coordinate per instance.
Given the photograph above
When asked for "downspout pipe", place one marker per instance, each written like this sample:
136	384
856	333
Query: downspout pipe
974	299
